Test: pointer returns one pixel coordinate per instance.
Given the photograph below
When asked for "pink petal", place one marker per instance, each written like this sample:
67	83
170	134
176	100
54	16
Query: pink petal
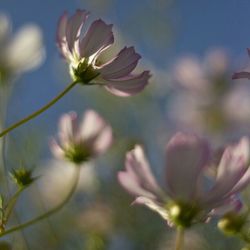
244	181
231	204
98	37
240	75
74	26
61	35
122	65
131	184
56	149
232	168
137	164
128	86
67	128
103	141
95	132
187	156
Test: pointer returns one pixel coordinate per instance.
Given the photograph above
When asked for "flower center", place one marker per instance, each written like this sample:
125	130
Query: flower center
78	154
182	214
84	72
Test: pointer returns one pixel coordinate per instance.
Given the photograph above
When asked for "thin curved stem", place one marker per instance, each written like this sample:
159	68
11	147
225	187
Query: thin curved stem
39	111
179	238
51	211
12	203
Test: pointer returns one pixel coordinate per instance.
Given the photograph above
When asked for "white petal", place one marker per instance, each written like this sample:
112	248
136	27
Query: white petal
153	205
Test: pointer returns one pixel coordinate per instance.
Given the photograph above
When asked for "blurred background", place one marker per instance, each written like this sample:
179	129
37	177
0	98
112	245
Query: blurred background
192	48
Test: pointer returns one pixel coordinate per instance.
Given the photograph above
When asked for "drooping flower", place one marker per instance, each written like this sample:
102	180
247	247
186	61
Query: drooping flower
185	199
22	52
79	143
242	74
83	55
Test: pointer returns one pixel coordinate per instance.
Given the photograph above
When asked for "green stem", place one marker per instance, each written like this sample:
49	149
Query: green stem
179	238
12	203
39	111
51	211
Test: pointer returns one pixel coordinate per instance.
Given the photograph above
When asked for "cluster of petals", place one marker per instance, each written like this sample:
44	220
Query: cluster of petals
80	142
85	50
21	52
187	159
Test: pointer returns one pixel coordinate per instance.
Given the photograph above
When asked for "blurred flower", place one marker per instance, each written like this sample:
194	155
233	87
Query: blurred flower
185	200
80	143
96	218
22	52
192	240
54	175
83	55
242	74
203	95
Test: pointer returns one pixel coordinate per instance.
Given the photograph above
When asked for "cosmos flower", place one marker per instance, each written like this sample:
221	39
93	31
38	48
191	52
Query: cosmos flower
185	199
79	143
21	52
82	51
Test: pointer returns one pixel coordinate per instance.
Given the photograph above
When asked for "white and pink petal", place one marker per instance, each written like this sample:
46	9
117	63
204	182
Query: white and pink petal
98	37
122	65
128	86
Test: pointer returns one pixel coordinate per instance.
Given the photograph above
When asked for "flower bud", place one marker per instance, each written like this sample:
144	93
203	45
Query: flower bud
231	223
22	177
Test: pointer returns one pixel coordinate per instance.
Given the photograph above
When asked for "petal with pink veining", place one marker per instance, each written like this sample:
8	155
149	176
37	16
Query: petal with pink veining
73	28
122	65
98	37
128	86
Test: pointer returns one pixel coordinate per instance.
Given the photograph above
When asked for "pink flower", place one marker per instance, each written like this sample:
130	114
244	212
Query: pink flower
242	74
82	53
185	199
79	143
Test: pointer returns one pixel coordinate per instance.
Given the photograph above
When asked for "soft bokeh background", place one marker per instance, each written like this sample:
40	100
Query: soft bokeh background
192	48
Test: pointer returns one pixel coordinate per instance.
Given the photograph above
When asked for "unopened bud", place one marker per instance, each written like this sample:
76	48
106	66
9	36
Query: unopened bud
22	177
231	223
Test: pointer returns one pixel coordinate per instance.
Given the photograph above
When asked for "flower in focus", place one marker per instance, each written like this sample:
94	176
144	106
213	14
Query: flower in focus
22	52
185	198
78	144
83	55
